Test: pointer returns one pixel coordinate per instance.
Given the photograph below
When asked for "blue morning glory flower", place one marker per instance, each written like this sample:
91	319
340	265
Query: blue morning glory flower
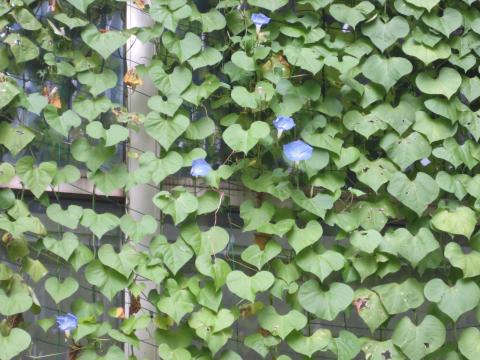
259	20
297	151
283	123
67	323
200	168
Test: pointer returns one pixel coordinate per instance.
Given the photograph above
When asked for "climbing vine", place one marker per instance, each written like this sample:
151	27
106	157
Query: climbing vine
352	126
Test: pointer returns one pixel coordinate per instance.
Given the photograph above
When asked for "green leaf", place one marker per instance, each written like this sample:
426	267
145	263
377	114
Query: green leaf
217	270
7	172
214	240
37	179
247	287
405	151
261	344
72	23
450	21
300	238
98	83
68	218
383	35
109	281
90	109
107	181
22	48
211	20
416	194
14	343
104	43
434	129
374	173
446	83
426	4
63	123
308	345
208	57
378	350
170	84
364	124
178	206
137	230
112	136
177	305
63	248
386	71
424	52
469	262
81	5
271	5
325	304
243	141
8	91
454	300
34	268
258	257
281	325
321	264
27	20
317	205
167	107
400	297
15	139
99	224
418	341
167	353
174	255
16	299
183	49
459	221
93	156
470	88
351	16
171	15
370	308
243	61
60	291
457	154
200	129
165	131
468	343
124	262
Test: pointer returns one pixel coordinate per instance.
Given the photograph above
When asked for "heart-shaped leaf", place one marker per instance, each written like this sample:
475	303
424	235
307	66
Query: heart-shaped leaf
308	345
16	299
22	48
165	131
424	52
105	43
271	5
405	151
81	5
417	341
137	230
174	255
426	4
99	224
61	290
453	300
469	262
68	218
351	16
8	91
217	269
457	154
112	136
14	343
450	21
370	308
109	281
178	205
468	343
400	297
383	35
299	238
61	123
247	287
243	141
155	169
98	83
36	178
124	262
90	109
63	248
281	325
7	173
15	138
416	194
379	350
174	83
433	129
320	264
325	304
183	49
258	257
374	173
317	205
459	221
386	71
364	124
446	83
168	107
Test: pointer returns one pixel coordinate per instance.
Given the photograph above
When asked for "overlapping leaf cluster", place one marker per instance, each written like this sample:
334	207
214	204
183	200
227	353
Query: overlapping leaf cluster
386	92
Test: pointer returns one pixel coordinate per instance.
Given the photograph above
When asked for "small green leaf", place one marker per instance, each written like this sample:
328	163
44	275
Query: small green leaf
59	290
104	43
14	343
309	345
36	178
386	71
446	83
247	287
15	139
459	221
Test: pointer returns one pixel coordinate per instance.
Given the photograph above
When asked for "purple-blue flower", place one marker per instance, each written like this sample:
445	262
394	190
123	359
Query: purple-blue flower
283	123
297	151
67	323
200	168
259	20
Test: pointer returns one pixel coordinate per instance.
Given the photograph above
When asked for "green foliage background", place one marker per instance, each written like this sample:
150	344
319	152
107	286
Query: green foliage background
385	91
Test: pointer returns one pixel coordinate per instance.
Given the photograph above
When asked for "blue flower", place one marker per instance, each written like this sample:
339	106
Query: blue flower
259	20
297	151
200	168
283	123
67	323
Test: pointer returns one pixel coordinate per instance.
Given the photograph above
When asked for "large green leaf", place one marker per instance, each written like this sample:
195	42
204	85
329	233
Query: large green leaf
165	131
124	262
400	297
244	140
36	178
68	218
61	290
383	35
9	91
258	257
453	300
321	264
247	287
351	15
105	43
468	343
281	325
63	248
459	221
309	345
450	21
98	83
446	83
178	205
300	238
370	308
174	255
386	71
14	343
325	304
417	341
81	5
15	139
469	262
